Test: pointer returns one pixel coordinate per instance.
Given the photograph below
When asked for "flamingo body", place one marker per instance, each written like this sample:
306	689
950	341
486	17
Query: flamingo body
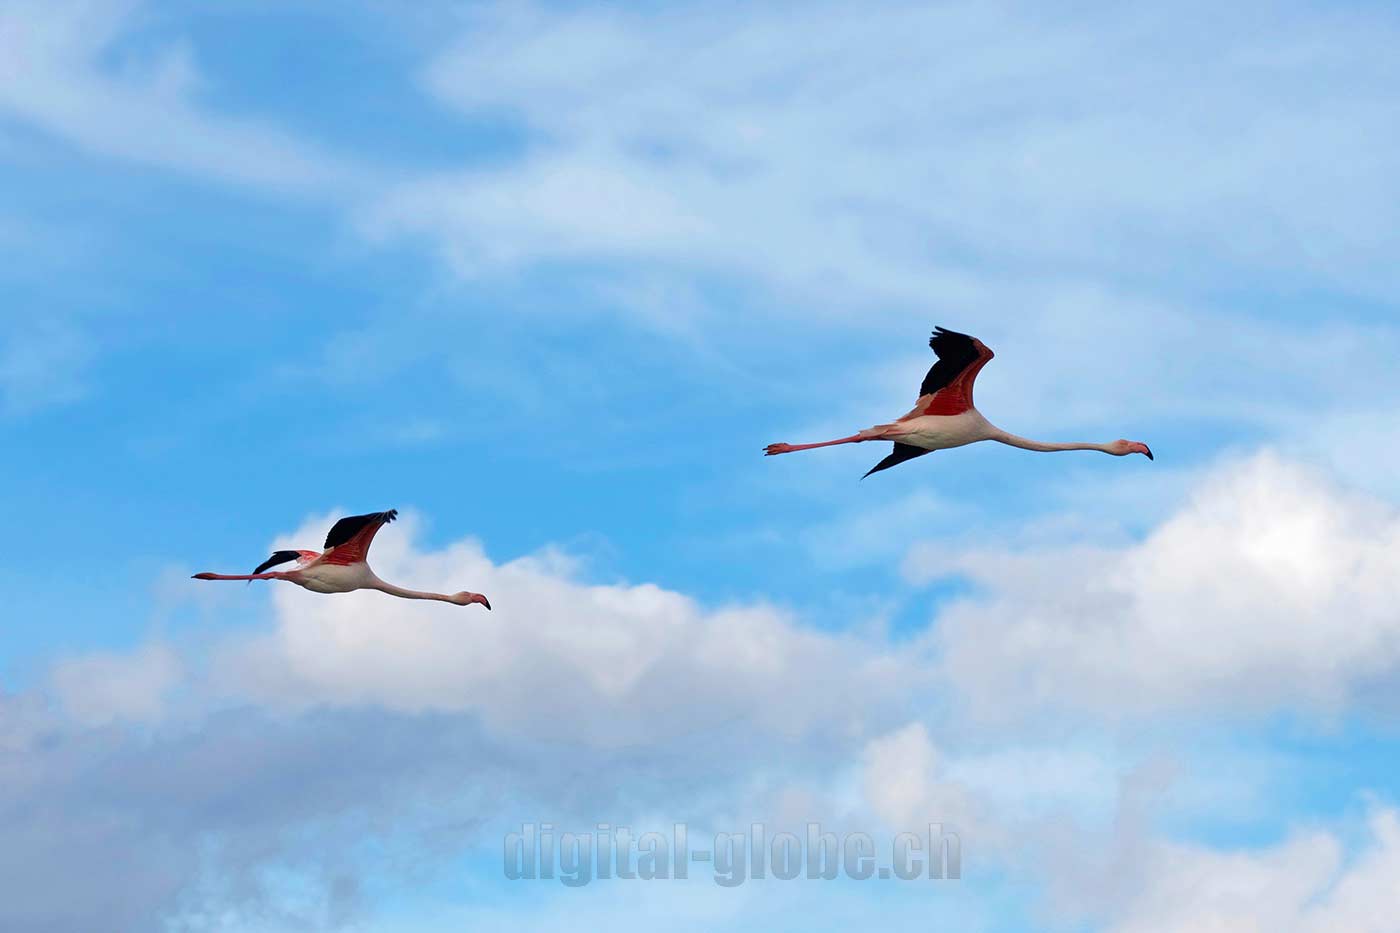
343	566
326	577
940	432
944	416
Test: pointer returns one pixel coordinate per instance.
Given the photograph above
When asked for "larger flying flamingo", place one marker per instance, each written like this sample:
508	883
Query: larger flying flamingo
342	566
944	416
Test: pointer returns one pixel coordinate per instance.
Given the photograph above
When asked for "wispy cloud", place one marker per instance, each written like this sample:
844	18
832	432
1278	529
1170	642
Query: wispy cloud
896	155
65	70
42	364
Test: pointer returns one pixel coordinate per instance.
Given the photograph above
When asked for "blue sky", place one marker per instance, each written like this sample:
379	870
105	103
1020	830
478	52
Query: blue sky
547	277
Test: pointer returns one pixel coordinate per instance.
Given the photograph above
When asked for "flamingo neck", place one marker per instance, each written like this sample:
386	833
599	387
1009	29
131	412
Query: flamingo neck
1026	443
393	590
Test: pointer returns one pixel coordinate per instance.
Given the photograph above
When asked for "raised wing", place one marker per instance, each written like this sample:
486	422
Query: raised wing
947	389
349	539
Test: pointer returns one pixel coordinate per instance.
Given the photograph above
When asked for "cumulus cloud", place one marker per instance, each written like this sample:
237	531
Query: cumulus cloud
560	657
100	688
207	823
360	723
906	784
353	726
1309	883
967	152
1270	588
1110	865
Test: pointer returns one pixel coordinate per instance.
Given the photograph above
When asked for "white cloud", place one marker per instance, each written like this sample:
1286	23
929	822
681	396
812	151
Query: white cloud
416	725
366	720
207	824
1271	588
1306	884
971	154
1104	859
907	786
100	688
911	152
886	156
561	658
63	69
1090	194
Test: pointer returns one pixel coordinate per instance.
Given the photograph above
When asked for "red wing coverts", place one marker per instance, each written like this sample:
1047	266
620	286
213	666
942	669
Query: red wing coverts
349	539
946	390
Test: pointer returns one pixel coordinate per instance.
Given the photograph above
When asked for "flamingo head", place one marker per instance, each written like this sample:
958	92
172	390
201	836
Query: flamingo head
467	599
1123	448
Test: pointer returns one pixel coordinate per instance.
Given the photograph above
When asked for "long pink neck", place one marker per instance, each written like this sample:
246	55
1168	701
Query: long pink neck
408	594
1026	443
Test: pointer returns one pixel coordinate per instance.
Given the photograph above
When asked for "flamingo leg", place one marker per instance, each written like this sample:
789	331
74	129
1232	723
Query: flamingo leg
774	449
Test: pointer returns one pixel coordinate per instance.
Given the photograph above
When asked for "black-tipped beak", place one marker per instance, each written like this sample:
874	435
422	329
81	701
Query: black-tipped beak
1148	451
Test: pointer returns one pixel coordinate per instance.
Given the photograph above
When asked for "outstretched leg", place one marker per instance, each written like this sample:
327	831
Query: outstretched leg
773	449
869	434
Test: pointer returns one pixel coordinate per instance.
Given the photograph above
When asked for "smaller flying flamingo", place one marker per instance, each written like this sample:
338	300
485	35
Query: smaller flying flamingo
944	417
342	566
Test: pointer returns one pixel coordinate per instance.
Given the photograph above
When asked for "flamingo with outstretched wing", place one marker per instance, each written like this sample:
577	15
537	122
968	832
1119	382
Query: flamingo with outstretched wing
944	416
342	567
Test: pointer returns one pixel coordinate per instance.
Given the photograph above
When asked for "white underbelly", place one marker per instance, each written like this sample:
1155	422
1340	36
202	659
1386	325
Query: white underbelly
335	578
942	432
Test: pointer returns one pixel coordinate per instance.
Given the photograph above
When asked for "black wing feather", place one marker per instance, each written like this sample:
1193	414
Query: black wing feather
955	353
902	452
278	557
345	529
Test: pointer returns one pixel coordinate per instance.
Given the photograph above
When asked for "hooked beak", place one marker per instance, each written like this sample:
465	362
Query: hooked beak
484	601
1148	450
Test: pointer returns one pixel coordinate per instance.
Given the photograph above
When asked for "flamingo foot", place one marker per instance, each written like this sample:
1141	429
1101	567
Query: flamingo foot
774	449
